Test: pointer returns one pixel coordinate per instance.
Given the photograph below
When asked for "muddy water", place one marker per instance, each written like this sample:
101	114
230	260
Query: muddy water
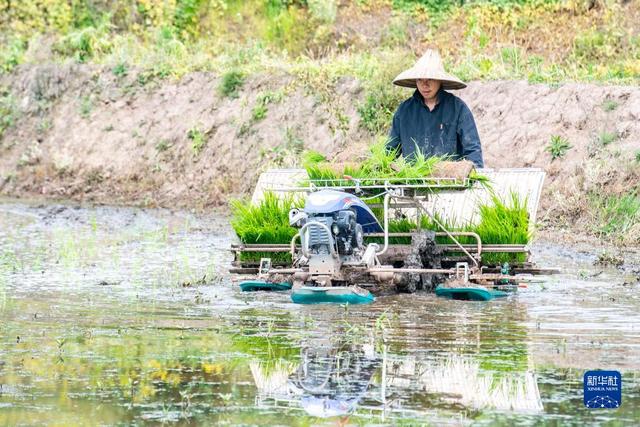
126	316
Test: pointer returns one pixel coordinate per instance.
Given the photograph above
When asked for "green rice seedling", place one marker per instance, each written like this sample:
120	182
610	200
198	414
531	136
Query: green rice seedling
381	165
504	224
323	174
419	166
483	180
311	157
277	258
380	161
267	222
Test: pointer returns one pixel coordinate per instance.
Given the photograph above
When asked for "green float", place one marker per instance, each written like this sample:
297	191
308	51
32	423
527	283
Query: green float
470	293
261	285
331	295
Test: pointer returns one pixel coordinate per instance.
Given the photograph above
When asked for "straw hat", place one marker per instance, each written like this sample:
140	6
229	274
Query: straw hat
428	67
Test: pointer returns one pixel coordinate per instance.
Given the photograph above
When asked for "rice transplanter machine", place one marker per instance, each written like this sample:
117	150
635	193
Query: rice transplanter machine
342	253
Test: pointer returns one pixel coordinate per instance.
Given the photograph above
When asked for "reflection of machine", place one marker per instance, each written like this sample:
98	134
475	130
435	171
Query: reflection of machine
333	382
336	380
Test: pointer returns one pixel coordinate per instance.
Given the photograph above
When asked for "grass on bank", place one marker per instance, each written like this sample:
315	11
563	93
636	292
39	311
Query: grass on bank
617	216
510	39
8	110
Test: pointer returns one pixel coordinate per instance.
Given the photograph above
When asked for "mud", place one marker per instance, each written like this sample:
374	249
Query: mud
424	254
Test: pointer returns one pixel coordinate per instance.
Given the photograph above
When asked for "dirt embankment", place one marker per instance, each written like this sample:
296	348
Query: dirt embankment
81	132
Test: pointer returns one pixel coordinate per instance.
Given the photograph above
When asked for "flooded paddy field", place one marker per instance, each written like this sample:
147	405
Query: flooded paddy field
122	316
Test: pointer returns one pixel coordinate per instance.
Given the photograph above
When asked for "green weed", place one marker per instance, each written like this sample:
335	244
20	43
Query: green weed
288	28
198	140
395	33
259	112
44	125
637	156
85	43
513	58
11	53
606	138
609	105
8	110
287	153
86	106
617	215
558	147
324	11
231	83
120	70
163	145
483	39
377	110
597	45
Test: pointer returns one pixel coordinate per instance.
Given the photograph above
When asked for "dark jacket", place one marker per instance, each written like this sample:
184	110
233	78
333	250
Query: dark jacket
447	130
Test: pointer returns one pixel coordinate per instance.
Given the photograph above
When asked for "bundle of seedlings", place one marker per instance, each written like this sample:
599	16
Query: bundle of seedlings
264	223
501	223
504	223
384	164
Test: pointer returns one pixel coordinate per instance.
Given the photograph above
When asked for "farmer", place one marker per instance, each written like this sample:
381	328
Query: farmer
433	120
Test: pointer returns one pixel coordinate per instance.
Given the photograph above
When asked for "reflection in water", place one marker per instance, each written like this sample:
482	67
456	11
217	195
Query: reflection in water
334	379
328	381
462	379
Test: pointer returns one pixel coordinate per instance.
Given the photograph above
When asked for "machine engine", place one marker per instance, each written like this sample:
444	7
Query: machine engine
345	230
332	226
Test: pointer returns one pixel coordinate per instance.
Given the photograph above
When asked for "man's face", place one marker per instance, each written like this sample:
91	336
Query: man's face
428	87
